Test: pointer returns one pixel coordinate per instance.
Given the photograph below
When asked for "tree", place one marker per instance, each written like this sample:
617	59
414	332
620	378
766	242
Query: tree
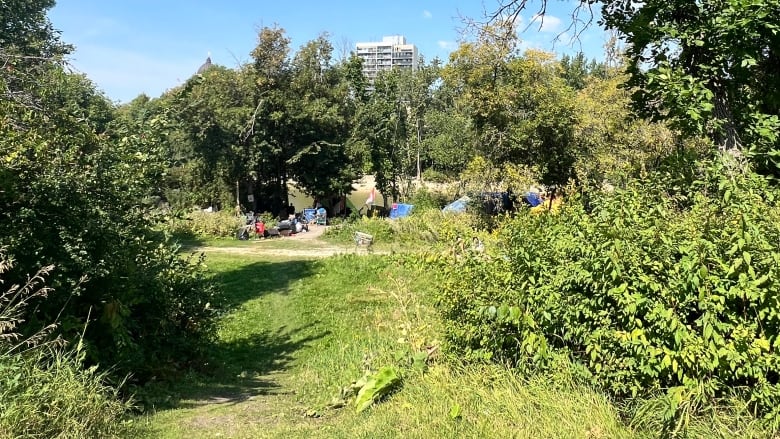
612	144
416	94
320	112
521	109
577	69
72	195
214	111
26	31
710	67
381	127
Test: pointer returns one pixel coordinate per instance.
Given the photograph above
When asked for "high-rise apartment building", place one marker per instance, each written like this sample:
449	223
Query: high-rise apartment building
391	52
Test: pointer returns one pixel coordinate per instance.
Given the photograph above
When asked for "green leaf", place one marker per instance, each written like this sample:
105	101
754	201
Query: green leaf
377	386
761	280
503	312
455	411
763	344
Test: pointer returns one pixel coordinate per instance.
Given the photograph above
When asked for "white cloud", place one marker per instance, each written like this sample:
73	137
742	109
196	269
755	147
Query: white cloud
447	45
427	14
546	23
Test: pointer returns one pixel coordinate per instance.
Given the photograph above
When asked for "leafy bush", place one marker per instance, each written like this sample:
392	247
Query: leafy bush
424	226
199	224
71	199
424	199
380	228
435	226
435	176
648	292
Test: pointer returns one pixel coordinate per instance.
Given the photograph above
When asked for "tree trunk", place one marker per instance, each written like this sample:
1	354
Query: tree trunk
419	145
728	139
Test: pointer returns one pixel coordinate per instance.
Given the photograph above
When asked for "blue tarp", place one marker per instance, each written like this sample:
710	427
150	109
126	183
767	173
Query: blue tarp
533	199
457	206
400	210
309	214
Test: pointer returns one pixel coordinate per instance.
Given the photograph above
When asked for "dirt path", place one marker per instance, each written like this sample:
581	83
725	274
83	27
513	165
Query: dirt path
301	245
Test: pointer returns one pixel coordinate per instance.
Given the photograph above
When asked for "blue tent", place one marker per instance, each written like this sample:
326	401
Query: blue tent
400	210
533	199
457	206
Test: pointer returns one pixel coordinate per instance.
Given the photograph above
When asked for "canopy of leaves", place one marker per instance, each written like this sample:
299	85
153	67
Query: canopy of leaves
709	67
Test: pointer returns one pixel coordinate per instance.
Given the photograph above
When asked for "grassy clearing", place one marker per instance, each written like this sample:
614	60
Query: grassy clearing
302	329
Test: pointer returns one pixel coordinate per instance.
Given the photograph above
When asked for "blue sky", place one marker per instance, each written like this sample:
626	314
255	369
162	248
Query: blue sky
148	46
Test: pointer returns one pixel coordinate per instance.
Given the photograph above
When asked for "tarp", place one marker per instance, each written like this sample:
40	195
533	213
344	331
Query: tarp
400	210
533	199
309	214
457	206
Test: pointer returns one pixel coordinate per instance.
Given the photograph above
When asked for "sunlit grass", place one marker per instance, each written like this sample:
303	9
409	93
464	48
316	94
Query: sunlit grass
299	330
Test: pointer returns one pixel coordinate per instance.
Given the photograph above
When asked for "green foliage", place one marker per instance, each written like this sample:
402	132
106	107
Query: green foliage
72	191
26	31
49	394
425	199
703	66
199	224
380	228
425	226
611	144
709	66
377	386
44	390
520	107
654	290
435	176
577	70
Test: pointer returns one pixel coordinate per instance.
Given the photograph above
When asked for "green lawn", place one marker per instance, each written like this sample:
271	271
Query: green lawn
299	330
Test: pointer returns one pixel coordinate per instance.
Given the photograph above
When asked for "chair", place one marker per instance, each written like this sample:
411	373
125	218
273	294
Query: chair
363	239
321	217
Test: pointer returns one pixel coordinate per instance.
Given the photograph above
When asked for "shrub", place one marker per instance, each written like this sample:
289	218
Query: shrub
650	292
199	224
380	228
435	176
424	226
435	226
424	199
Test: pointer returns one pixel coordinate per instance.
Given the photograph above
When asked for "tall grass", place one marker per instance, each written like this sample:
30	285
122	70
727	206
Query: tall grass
424	228
199	224
44	391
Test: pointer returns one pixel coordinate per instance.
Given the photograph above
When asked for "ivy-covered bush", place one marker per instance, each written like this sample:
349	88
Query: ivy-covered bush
656	289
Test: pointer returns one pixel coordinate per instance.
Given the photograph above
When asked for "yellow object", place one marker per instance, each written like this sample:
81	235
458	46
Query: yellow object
544	206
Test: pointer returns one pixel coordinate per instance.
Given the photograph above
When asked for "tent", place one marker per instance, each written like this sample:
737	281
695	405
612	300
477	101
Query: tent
533	199
400	210
457	206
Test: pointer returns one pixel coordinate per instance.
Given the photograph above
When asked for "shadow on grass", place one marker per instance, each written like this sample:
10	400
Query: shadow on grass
254	280
238	369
